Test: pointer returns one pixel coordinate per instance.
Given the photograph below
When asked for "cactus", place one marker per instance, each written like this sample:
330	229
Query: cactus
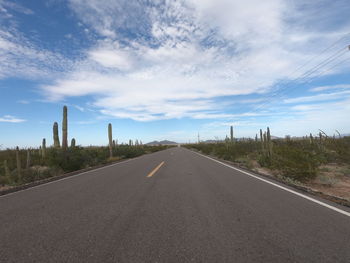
339	135
110	140
64	129
262	141
265	142
72	143
256	137
114	144
231	134
269	143
311	139
28	164
7	170
18	162
43	148
56	138
130	142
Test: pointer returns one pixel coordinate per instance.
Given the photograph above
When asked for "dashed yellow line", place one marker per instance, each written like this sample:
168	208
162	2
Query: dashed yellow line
155	169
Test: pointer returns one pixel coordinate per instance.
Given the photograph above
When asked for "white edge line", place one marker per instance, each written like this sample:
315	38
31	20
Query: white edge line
68	177
281	187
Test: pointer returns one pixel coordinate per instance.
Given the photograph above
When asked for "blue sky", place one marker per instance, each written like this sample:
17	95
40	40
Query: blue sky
170	69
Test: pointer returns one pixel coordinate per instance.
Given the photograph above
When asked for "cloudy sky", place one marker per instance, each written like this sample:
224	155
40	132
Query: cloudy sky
170	69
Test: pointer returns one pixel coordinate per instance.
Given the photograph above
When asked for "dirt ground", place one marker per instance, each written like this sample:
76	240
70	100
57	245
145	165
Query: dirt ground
332	179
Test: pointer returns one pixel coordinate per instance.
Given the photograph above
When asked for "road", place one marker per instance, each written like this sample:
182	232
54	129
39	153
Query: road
170	206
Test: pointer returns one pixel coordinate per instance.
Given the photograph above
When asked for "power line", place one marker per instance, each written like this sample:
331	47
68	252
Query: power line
322	52
307	74
313	58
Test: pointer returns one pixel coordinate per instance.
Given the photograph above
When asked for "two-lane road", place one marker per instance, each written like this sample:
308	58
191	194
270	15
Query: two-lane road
170	206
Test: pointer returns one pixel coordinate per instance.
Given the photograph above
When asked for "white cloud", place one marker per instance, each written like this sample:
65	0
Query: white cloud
23	101
112	57
326	116
320	97
12	119
179	56
6	6
21	58
173	59
297	120
324	88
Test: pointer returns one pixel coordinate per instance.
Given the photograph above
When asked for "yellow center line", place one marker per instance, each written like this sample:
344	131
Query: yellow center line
155	169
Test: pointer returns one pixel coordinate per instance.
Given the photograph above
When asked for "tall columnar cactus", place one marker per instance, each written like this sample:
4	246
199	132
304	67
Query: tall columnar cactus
114	144
65	129
43	148
72	143
231	134
269	142
265	142
28	164
130	142
110	140
311	139
262	141
56	138
7	170
18	162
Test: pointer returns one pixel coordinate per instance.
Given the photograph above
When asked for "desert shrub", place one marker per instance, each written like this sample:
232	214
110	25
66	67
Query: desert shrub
295	159
57	161
4	180
294	162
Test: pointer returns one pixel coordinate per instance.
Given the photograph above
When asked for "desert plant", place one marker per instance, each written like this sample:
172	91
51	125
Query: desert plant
262	141
110	136
231	134
7	170
28	163
43	148
18	163
269	142
65	128
56	138
311	139
72	143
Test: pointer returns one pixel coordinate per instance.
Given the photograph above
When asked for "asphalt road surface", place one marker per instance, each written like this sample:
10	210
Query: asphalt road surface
170	206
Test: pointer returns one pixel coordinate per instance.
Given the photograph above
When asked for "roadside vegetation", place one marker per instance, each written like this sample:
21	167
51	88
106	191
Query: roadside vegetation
320	160
21	166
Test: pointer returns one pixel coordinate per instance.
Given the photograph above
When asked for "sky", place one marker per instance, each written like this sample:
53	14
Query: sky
172	69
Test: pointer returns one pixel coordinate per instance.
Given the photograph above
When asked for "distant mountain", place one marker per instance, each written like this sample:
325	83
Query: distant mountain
211	141
275	137
164	142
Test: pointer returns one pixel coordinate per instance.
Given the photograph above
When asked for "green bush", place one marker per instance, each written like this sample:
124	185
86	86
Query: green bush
58	161
296	159
294	162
